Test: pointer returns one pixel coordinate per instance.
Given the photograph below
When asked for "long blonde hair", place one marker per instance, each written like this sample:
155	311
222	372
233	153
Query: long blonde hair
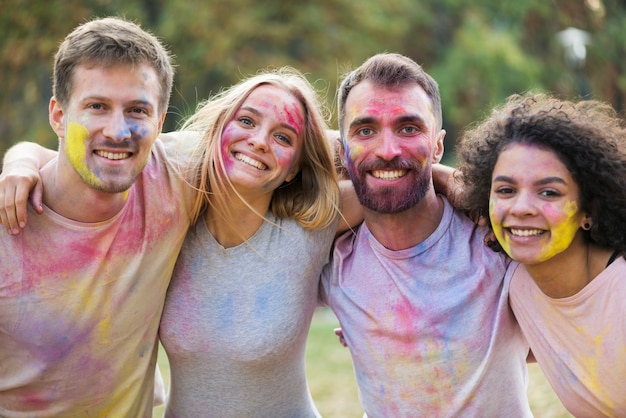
312	198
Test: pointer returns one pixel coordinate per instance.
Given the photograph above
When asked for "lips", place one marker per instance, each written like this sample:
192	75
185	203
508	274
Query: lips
250	161
113	155
388	174
526	232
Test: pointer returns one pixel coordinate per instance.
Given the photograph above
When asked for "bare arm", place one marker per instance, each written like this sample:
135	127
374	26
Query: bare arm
351	209
20	176
443	179
447	182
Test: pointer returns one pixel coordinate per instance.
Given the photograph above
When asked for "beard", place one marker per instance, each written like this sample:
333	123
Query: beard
391	199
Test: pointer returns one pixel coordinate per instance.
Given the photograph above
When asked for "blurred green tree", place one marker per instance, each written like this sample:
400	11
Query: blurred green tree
480	52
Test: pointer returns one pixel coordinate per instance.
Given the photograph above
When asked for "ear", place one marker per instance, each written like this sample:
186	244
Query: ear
292	174
56	117
586	223
438	148
161	121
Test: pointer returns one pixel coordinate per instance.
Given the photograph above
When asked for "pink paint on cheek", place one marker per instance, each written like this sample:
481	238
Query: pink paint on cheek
227	137
285	158
554	214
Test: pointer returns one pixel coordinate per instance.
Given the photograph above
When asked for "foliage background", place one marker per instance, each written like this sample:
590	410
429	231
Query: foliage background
480	52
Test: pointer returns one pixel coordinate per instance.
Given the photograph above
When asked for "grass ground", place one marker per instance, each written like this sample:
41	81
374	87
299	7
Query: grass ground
332	384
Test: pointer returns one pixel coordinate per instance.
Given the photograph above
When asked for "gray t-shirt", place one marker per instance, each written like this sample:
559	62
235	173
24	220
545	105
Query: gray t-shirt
236	321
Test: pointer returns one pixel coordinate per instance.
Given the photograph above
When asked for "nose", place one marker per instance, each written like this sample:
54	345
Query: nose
523	204
388	147
259	141
117	127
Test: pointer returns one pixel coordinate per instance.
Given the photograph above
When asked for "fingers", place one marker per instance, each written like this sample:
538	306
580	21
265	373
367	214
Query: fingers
36	198
14	197
8	211
339	333
20	201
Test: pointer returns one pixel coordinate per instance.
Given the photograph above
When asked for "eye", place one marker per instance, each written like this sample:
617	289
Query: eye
550	193
138	111
96	106
365	131
246	121
504	190
409	130
285	139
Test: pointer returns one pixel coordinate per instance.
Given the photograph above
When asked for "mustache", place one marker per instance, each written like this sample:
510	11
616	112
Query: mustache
118	145
396	163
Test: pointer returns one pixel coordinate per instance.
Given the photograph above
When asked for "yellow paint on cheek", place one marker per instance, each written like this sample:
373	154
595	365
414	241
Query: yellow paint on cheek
76	152
355	152
563	233
497	227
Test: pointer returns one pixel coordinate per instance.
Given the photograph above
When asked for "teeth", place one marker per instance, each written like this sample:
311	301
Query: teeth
250	161
113	155
526	232
388	175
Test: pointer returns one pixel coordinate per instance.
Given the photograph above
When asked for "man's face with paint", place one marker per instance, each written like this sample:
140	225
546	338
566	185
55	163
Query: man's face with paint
534	204
109	125
391	140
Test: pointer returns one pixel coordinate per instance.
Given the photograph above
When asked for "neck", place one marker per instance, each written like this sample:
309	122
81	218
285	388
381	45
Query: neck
78	201
239	223
569	272
399	231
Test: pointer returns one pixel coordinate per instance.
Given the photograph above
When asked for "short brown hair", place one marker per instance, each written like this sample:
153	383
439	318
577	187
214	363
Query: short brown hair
110	41
389	70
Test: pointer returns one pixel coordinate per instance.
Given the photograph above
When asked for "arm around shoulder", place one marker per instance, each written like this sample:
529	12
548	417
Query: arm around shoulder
20	179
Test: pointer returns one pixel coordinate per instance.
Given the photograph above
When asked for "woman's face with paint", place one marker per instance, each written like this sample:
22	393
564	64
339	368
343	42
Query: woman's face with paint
108	127
534	203
262	144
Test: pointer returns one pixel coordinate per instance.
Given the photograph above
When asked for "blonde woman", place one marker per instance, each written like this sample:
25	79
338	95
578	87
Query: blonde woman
245	286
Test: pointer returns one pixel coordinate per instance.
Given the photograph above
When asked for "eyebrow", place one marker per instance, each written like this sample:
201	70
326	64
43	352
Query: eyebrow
366	120
256	112
105	99
541	182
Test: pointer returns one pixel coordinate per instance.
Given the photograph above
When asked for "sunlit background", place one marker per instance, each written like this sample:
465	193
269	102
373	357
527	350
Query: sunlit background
480	52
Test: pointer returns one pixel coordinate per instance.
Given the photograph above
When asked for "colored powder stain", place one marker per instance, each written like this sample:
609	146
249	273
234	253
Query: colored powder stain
225	161
354	152
593	379
294	118
503	240
90	298
76	152
105	329
563	233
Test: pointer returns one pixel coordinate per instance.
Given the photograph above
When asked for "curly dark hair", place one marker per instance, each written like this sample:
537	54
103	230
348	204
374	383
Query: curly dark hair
587	136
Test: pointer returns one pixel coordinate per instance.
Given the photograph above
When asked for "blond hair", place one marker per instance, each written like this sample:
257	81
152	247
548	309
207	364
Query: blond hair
312	198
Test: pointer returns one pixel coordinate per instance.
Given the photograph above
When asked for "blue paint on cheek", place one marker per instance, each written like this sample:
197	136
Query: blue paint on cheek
123	133
140	130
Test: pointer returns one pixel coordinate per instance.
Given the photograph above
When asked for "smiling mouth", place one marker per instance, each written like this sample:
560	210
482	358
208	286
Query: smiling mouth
388	174
249	161
526	232
113	155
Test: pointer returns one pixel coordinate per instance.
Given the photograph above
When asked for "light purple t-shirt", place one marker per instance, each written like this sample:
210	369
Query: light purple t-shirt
429	328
